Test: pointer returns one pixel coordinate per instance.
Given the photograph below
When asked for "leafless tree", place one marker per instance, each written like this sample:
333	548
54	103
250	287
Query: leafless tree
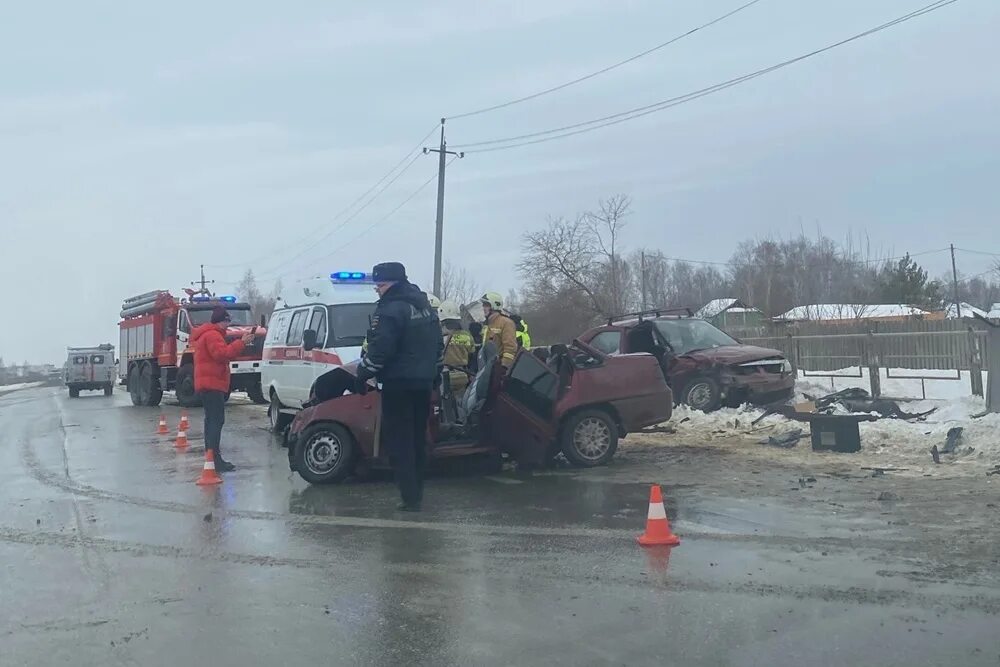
458	285
605	226
562	255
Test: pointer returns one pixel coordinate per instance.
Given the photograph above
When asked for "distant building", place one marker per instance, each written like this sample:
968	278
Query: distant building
994	313
835	313
730	313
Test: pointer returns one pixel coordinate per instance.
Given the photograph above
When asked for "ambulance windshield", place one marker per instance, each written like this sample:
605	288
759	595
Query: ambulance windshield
239	317
349	323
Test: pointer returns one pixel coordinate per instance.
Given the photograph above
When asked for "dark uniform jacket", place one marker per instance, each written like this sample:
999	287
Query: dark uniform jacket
405	347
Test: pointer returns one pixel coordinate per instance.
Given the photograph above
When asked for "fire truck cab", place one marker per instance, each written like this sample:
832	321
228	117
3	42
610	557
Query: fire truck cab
155	355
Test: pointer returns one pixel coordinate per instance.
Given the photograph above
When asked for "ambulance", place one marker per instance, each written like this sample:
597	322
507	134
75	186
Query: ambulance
318	325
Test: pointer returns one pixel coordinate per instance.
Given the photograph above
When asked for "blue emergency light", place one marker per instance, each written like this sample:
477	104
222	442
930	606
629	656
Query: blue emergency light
347	276
228	299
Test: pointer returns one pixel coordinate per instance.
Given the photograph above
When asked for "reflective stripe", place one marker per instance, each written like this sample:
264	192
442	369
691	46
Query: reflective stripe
656	511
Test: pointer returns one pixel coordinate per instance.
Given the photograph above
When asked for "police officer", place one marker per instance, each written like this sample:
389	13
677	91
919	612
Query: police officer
404	354
499	329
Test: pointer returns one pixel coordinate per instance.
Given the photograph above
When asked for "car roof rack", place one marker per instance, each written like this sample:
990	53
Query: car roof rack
659	312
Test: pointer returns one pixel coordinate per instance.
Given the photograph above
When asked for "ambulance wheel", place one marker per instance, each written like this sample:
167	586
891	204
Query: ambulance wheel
589	438
256	394
278	421
186	395
324	453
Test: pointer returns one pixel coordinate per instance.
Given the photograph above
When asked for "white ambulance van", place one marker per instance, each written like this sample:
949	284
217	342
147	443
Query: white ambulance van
317	325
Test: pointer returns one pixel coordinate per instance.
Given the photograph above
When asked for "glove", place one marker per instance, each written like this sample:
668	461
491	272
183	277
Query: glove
361	381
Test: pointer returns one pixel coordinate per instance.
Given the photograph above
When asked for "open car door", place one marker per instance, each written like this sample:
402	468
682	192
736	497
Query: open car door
520	421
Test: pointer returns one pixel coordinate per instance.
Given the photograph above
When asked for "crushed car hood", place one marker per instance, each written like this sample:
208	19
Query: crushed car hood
733	354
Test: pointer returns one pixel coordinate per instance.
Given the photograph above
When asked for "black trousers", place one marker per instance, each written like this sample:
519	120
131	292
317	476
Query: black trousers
215	416
404	434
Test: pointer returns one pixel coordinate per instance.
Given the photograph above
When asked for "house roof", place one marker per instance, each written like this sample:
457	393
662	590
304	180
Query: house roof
968	310
717	306
850	311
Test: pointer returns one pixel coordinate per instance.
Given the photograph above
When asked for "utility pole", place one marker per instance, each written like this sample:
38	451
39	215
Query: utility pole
442	151
204	283
642	271
954	277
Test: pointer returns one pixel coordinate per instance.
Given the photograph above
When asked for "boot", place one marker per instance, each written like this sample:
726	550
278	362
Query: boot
222	465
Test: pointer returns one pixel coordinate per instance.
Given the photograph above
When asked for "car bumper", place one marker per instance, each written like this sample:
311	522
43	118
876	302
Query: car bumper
241	367
760	388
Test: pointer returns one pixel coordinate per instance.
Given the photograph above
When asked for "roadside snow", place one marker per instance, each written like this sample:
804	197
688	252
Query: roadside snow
885	443
20	385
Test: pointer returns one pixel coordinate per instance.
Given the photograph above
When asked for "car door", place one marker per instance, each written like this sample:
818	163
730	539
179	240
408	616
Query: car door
522	413
317	358
183	333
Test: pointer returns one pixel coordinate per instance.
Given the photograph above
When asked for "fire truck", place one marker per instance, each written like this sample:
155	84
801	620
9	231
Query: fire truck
155	354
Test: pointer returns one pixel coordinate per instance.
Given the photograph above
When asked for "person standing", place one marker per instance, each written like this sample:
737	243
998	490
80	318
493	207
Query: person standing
405	350
212	356
499	329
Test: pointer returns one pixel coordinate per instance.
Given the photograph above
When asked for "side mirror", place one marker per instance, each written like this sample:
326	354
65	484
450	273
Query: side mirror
308	339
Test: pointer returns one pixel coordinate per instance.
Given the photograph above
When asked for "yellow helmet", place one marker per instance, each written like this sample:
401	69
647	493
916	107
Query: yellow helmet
494	300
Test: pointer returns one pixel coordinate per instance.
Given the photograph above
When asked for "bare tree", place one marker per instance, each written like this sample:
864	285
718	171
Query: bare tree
605	226
562	255
458	285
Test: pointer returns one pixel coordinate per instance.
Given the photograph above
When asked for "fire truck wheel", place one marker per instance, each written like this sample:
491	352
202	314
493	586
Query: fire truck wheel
133	386
149	387
256	394
325	453
589	438
186	395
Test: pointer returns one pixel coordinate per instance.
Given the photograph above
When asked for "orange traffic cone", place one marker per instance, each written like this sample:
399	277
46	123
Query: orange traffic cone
182	439
185	425
162	429
208	474
657	526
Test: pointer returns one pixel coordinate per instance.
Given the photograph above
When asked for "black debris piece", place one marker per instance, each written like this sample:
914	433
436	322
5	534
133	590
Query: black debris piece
784	440
935	454
953	440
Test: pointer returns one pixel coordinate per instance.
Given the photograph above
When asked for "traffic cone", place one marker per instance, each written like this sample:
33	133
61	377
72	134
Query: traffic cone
182	439
208	474
162	429
185	425
657	526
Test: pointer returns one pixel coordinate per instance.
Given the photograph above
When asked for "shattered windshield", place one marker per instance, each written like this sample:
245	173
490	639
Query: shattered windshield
688	335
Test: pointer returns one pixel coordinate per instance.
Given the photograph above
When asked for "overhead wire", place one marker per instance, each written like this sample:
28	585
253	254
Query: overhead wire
607	69
343	211
637	112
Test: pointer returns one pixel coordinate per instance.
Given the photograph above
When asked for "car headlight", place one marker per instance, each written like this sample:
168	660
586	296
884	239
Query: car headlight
786	366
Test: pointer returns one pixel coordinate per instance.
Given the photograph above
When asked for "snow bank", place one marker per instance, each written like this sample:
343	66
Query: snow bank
20	385
885	443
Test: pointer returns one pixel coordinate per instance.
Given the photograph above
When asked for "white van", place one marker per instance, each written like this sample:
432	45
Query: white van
317	325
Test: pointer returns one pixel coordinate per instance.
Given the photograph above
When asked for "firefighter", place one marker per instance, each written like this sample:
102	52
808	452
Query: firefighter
499	329
404	354
458	347
521	331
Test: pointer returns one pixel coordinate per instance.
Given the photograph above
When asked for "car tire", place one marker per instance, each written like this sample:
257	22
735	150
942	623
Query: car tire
324	453
702	393
109	389
278	421
74	393
589	438
256	394
184	387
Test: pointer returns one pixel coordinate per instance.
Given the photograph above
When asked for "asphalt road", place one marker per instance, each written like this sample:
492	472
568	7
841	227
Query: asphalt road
111	555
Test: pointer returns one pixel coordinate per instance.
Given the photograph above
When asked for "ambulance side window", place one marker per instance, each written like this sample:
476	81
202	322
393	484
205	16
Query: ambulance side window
318	324
277	330
297	326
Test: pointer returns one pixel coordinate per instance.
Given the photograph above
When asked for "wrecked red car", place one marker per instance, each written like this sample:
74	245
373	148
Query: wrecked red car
706	367
570	399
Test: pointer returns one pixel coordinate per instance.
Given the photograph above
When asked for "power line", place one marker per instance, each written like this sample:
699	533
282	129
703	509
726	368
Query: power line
385	217
271	254
607	69
638	112
978	252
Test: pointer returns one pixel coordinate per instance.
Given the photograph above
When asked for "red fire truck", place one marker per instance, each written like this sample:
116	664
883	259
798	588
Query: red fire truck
155	355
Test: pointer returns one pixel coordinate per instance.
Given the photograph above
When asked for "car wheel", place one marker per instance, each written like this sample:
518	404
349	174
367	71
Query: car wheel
256	394
702	393
109	389
278	421
184	389
589	438
324	453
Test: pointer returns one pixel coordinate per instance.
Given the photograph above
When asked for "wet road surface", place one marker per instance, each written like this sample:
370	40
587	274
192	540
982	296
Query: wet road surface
112	555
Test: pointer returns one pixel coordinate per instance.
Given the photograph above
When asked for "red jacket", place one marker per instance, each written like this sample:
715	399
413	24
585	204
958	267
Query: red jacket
212	357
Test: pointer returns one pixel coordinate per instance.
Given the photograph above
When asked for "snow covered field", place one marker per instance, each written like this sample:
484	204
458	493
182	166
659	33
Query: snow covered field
885	443
21	385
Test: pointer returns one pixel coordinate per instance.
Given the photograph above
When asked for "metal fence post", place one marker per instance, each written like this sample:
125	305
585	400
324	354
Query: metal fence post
793	353
975	363
871	357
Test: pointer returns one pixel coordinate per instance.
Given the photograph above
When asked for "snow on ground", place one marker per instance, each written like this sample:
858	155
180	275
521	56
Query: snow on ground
20	385
885	443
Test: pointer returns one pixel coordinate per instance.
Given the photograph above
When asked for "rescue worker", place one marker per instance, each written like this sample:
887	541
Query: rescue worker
212	357
521	331
404	354
458	348
499	329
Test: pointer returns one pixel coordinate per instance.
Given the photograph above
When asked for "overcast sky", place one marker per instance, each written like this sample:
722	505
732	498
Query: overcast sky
138	140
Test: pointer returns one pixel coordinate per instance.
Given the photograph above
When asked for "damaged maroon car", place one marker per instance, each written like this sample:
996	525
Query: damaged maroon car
569	399
705	367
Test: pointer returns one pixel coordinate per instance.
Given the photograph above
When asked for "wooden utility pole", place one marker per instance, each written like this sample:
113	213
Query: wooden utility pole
954	277
442	151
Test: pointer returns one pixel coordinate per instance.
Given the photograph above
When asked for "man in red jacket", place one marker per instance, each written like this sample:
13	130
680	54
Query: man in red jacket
211	376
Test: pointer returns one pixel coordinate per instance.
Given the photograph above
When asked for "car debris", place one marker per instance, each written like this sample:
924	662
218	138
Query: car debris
953	440
784	440
995	471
